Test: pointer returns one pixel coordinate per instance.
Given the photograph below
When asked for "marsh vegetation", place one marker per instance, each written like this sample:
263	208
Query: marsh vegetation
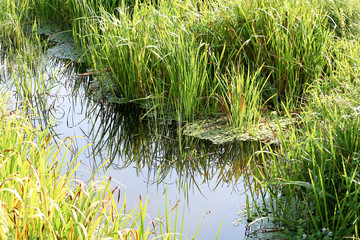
272	84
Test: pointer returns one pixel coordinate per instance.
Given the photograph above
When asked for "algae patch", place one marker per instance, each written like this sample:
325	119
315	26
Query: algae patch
218	132
61	42
65	50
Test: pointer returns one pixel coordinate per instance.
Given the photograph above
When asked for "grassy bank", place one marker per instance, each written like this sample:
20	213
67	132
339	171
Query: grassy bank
312	179
237	60
39	200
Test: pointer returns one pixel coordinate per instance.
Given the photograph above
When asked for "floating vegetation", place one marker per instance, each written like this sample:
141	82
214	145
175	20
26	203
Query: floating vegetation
66	51
61	43
219	132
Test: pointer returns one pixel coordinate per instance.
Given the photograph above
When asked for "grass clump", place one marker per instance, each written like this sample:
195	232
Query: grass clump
149	54
287	40
184	54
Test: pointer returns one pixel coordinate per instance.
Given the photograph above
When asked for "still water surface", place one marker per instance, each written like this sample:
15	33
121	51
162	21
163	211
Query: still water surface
147	158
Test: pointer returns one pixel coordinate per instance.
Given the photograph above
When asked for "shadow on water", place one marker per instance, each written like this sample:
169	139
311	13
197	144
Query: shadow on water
145	155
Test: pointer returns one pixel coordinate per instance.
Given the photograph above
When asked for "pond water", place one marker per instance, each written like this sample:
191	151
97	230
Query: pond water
147	158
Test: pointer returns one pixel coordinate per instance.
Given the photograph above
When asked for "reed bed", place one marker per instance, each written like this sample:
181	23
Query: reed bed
311	181
185	55
182	55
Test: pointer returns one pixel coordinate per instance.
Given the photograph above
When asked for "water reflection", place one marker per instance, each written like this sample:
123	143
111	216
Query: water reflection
143	153
128	138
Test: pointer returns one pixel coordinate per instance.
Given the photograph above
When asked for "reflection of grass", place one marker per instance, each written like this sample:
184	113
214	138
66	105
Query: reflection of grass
160	150
39	200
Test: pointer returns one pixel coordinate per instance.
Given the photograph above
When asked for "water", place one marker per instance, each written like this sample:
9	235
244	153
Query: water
143	154
146	158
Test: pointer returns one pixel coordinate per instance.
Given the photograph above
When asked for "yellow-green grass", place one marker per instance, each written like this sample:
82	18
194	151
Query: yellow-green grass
40	198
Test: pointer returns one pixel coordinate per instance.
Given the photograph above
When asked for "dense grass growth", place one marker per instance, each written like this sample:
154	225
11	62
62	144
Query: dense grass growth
312	180
184	54
149	54
156	51
285	39
344	16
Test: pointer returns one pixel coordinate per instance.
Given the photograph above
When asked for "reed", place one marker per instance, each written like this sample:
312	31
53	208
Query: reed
149	53
311	180
242	98
13	15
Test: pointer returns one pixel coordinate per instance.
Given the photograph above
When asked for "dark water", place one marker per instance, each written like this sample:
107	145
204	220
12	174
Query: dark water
146	158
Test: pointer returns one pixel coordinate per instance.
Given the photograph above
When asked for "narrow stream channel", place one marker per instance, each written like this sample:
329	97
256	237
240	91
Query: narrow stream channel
146	158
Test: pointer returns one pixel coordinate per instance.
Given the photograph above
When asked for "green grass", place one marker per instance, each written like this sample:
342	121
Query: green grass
183	55
180	54
37	198
312	178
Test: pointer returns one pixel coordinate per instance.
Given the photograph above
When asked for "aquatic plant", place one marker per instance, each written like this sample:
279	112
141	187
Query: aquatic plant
175	53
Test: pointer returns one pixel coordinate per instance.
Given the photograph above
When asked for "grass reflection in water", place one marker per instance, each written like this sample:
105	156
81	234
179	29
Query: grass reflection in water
159	147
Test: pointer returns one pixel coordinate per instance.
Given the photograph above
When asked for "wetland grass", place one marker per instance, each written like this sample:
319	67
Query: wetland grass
183	55
38	200
40	195
312	179
174	52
